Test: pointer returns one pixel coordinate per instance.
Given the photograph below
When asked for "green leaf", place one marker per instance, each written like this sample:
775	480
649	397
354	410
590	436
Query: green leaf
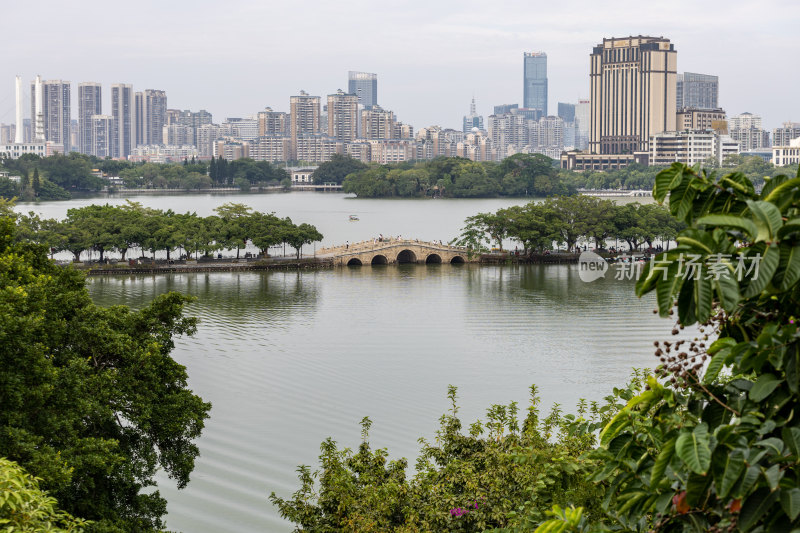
665	179
773	476
734	466
776	195
790	501
763	387
702	298
612	429
663	459
715	366
791	438
754	507
745	225
788	271
692	448
768	217
696	488
766	269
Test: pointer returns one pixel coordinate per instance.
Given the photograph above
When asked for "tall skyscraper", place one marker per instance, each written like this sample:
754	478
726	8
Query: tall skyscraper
151	115
305	115
102	132
138	120
633	84
90	103
535	82
473	120
365	86
55	114
156	104
124	131
343	116
697	90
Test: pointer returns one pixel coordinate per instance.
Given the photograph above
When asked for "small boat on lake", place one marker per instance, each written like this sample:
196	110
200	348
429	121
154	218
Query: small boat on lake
353	218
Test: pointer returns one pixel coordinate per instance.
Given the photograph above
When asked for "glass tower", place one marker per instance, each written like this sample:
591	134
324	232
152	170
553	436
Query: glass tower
365	86
535	81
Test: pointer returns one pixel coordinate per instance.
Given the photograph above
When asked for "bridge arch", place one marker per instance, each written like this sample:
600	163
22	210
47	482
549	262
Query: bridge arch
433	259
354	262
457	260
406	256
379	260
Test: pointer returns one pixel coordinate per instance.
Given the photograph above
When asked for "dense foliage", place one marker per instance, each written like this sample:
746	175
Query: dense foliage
568	220
335	170
506	471
105	228
60	174
90	400
456	177
30	509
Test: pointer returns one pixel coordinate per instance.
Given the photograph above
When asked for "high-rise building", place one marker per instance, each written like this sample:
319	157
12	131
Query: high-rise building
746	130
156	105
272	122
124	131
377	123
343	116
504	108
365	86
305	117
566	112
535	82
473	120
139	114
583	120
633	84
692	118
102	135
242	129
90	103
697	90
55	116
785	134
151	115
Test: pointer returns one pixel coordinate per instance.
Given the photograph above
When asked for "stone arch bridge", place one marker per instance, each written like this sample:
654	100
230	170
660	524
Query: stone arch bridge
394	252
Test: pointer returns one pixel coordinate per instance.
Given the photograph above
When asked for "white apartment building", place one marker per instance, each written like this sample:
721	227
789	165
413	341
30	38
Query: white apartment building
786	155
690	147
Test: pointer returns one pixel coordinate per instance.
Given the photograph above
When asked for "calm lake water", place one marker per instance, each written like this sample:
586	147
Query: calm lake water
291	358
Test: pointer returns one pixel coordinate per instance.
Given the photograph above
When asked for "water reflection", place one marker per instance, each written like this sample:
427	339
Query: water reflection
290	358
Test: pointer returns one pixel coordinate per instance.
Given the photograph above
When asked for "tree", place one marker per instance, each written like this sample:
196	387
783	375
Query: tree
298	236
36	183
504	472
713	441
335	170
235	225
90	400
30	509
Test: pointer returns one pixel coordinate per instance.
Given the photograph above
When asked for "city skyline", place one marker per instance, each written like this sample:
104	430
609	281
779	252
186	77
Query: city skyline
427	77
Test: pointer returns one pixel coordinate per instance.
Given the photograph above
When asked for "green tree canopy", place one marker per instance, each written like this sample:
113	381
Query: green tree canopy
90	400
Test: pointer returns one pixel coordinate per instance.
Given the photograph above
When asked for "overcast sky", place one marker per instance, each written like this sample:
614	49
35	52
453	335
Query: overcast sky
236	57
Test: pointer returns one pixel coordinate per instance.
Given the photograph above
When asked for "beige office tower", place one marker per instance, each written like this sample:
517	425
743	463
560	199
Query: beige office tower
305	114
633	84
343	116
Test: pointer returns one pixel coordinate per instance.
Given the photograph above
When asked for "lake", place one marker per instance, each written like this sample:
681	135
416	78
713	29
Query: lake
291	358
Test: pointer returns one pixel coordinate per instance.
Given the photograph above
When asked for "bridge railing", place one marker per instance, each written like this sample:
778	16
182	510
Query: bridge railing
387	243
